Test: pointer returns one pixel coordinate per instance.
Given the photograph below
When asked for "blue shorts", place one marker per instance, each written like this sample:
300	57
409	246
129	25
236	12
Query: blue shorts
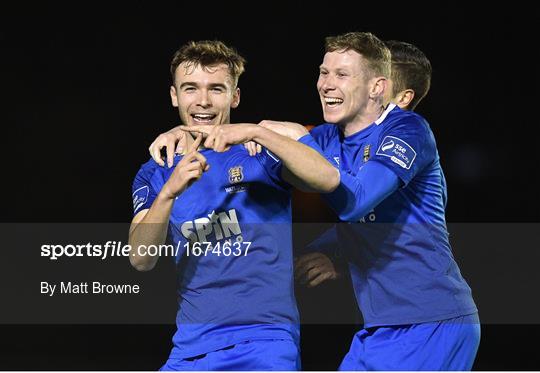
275	354
443	345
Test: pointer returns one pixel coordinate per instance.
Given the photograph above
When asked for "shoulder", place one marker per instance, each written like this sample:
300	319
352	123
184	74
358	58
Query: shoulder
324	129
148	169
406	123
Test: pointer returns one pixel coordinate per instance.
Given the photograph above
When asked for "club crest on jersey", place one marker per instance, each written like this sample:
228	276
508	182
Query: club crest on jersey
367	149
236	174
398	151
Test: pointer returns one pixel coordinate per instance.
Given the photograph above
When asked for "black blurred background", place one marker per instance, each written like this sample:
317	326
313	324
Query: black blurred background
84	91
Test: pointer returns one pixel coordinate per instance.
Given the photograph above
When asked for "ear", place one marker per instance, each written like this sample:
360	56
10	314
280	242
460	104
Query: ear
236	98
404	98
378	86
174	97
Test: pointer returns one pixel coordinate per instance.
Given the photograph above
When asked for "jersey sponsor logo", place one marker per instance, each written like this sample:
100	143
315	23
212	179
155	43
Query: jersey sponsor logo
236	175
140	196
236	188
219	225
398	151
336	159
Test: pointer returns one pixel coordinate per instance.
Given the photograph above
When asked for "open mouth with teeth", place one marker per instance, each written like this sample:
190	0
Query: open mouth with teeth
203	118
333	101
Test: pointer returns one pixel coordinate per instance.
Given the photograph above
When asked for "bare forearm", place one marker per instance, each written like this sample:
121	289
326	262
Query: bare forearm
303	162
151	230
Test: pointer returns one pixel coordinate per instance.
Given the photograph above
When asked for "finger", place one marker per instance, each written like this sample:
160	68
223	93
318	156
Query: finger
193	166
259	148
192	176
320	279
209	142
156	154
219	145
249	148
307	257
189	157
195	144
313	273
202	160
301	270
204	129
310	275
182	143
169	148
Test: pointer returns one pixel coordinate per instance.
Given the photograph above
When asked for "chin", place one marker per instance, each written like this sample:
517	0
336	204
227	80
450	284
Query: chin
331	118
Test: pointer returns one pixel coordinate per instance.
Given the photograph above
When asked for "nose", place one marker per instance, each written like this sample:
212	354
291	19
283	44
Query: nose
204	99
327	83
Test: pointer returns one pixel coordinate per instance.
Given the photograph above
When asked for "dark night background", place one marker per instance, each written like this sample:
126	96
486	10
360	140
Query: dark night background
84	91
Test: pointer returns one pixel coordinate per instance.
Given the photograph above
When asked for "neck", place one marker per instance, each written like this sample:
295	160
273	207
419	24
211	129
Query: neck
362	121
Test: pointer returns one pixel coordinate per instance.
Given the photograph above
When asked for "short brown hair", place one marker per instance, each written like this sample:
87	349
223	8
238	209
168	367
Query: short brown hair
209	53
368	45
411	69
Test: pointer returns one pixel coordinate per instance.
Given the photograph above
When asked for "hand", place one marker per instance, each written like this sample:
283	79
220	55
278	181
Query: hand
173	141
186	172
288	129
314	268
221	137
253	148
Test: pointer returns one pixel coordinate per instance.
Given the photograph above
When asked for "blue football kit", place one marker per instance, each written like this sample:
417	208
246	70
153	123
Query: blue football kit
392	199
235	286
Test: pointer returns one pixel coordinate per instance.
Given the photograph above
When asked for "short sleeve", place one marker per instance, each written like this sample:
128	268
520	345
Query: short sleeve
323	134
310	141
143	192
272	165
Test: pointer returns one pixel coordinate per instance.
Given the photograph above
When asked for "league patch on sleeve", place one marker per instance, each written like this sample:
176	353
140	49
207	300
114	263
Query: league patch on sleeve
398	151
140	196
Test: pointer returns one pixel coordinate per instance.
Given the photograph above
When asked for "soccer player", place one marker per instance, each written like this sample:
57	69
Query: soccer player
228	215
409	83
418	310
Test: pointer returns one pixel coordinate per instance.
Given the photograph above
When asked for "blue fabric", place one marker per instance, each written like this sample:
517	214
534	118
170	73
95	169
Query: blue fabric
393	195
443	345
262	355
327	243
223	298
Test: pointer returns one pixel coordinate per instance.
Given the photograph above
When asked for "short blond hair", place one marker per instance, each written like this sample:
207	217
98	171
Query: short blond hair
372	49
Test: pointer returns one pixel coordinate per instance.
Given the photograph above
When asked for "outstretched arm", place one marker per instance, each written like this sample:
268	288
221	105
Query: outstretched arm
305	167
358	194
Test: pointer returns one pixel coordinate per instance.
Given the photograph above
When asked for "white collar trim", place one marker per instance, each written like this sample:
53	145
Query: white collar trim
389	108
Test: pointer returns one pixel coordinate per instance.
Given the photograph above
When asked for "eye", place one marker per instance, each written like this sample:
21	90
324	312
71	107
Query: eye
189	89
341	74
218	90
323	72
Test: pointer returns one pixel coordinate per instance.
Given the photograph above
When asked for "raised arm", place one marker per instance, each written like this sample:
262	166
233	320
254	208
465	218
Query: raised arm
149	226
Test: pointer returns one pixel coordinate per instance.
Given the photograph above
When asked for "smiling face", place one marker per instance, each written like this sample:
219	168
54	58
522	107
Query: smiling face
343	87
204	94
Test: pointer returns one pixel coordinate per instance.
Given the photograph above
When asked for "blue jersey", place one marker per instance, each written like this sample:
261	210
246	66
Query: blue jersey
400	259
240	287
